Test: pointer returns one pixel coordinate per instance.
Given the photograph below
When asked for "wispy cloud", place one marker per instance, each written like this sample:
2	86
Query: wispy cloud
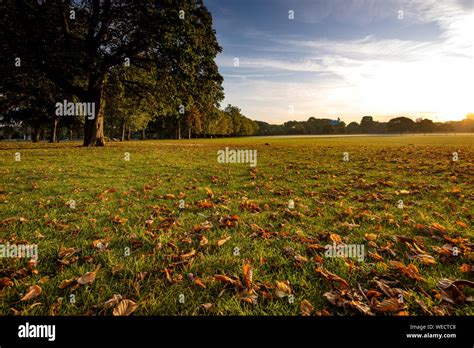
370	74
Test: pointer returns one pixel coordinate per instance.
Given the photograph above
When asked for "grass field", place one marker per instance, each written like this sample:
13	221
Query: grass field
238	247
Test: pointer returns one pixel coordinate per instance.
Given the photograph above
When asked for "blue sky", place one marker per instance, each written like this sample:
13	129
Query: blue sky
346	58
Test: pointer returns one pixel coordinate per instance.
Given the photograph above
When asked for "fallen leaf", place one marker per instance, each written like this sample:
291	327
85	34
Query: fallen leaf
117	219
203	241
67	283
222	241
208	306
390	305
125	308
189	254
335	238
198	282
5	282
33	292
306	308
114	300
282	289
332	277
88	278
225	279
247	275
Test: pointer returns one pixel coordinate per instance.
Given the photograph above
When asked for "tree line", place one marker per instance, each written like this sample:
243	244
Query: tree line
147	66
367	125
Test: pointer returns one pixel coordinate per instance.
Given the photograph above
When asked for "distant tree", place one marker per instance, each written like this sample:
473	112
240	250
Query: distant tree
400	125
329	129
353	128
425	126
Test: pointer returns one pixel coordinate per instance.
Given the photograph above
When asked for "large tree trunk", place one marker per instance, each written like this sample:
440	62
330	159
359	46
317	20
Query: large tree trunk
189	133
36	135
53	132
143	134
94	128
129	133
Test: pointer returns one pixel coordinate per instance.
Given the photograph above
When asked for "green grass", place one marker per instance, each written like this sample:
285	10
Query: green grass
309	171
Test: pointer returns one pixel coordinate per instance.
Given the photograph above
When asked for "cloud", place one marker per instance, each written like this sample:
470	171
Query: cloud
365	75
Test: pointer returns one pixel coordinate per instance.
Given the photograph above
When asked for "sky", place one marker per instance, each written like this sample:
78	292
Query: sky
294	59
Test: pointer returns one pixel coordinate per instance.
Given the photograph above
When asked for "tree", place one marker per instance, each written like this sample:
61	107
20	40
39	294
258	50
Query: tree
400	124
353	128
78	44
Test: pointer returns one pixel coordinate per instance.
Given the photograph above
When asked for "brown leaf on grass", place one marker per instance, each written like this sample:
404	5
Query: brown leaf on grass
33	292
332	277
125	308
306	308
247	269
198	282
88	278
461	224
209	192
349	300
5	282
373	293
465	268
390	305
208	306
248	296
113	301
425	259
101	244
206	225
410	271
188	254
222	241
65	253
229	221
203	241
67	283
248	205
168	276
225	279
299	258
119	220
205	204
169	196
335	238
282	289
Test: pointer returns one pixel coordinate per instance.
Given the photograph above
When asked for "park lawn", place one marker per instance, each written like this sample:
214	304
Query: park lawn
127	225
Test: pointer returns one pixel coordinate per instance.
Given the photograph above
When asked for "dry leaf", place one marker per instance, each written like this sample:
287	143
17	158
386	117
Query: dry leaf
222	241
198	282
208	306
88	278
203	241
282	289
189	254
125	308
247	275
114	300
335	238
67	283
390	305
306	308
5	282
225	279
117	219
33	292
